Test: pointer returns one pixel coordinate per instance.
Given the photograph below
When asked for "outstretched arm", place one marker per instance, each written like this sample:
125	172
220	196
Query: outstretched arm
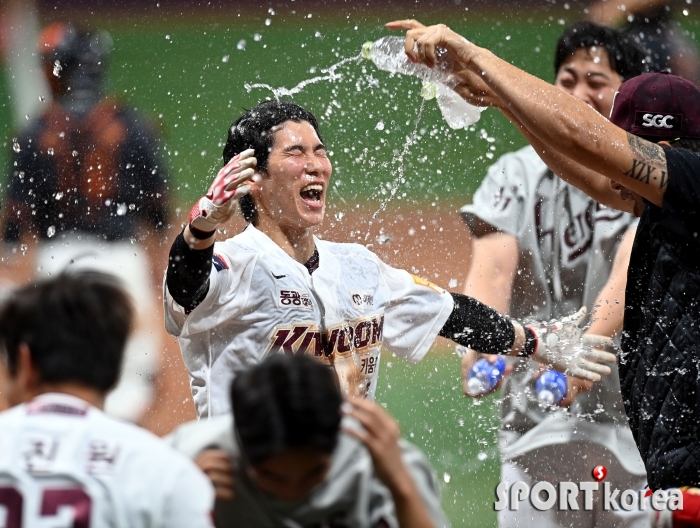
560	121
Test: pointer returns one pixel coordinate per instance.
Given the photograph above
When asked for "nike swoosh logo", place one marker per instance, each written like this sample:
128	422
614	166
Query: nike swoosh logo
278	276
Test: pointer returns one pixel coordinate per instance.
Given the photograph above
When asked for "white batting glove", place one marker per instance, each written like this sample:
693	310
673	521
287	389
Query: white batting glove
561	345
220	202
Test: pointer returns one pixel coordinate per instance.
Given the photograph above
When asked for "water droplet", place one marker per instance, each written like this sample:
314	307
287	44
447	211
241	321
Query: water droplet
51	231
379	126
50	151
482	456
446	477
74	153
268	21
241	45
58	195
167	37
42	98
121	209
224	58
452	283
204	153
15	145
57	68
257	37
132	207
26	116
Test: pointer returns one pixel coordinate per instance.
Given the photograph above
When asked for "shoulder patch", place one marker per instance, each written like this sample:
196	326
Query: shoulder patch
423	282
219	262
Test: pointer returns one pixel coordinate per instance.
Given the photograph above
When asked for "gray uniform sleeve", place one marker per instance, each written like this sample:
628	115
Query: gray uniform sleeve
426	483
500	199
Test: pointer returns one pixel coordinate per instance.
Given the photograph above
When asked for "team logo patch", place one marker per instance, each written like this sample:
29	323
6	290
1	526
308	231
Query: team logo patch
423	282
219	263
298	298
362	300
660	121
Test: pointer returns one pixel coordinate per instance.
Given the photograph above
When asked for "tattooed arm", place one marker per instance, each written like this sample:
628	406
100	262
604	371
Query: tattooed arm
560	121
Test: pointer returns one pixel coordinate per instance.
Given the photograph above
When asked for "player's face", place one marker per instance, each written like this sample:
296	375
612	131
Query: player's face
291	475
628	195
588	76
293	190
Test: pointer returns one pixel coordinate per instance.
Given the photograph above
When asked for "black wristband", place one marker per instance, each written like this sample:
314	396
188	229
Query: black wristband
201	235
530	343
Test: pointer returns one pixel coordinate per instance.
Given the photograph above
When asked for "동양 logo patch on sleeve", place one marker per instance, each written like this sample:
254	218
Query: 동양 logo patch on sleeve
219	263
296	298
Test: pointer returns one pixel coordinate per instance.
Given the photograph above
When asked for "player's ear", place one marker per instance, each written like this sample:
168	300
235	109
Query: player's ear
27	374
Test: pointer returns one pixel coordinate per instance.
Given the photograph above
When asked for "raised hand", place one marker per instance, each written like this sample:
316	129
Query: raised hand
219	204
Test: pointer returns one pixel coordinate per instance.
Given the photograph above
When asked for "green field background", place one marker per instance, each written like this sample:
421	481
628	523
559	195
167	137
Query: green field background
186	72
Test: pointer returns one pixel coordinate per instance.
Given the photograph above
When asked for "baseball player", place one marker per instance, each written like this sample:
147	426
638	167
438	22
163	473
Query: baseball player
63	461
288	458
86	182
542	248
276	288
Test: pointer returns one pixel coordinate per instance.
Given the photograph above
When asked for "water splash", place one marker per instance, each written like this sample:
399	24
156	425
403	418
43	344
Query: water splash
329	75
399	161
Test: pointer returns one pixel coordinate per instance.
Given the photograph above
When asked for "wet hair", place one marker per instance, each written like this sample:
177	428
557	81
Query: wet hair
626	57
286	402
254	130
75	325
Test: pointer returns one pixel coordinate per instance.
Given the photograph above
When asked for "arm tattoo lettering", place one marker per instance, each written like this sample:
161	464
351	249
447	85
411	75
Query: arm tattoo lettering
647	158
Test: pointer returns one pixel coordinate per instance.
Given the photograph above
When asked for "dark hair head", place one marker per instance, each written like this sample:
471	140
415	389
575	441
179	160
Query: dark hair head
74	58
286	402
254	130
626	57
75	325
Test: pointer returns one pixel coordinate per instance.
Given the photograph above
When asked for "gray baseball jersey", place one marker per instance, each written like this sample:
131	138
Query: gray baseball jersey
64	463
262	301
350	496
566	244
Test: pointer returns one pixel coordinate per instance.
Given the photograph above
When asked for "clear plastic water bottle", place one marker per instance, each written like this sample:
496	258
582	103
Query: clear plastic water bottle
551	387
388	54
484	376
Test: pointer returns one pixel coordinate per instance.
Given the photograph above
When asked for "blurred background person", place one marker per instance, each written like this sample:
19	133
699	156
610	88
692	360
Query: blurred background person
542	248
87	184
652	24
286	456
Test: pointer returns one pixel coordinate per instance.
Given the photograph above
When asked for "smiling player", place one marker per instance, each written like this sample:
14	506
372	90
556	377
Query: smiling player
275	288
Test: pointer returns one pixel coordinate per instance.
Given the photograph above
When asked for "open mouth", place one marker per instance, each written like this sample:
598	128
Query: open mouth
312	192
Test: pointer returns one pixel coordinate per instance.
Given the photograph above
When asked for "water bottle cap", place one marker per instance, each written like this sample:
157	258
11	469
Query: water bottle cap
475	386
428	91
367	49
546	397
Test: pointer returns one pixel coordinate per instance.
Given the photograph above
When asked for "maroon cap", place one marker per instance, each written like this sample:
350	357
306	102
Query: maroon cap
658	106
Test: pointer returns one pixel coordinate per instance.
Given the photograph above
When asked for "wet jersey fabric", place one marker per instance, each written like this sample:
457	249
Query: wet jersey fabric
64	463
350	496
661	336
566	244
261	301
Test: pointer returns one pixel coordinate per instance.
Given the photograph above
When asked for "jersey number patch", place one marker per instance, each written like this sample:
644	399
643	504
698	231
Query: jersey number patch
52	500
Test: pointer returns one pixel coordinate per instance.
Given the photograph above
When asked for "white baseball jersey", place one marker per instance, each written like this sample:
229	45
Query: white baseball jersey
566	244
65	464
262	301
351	496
